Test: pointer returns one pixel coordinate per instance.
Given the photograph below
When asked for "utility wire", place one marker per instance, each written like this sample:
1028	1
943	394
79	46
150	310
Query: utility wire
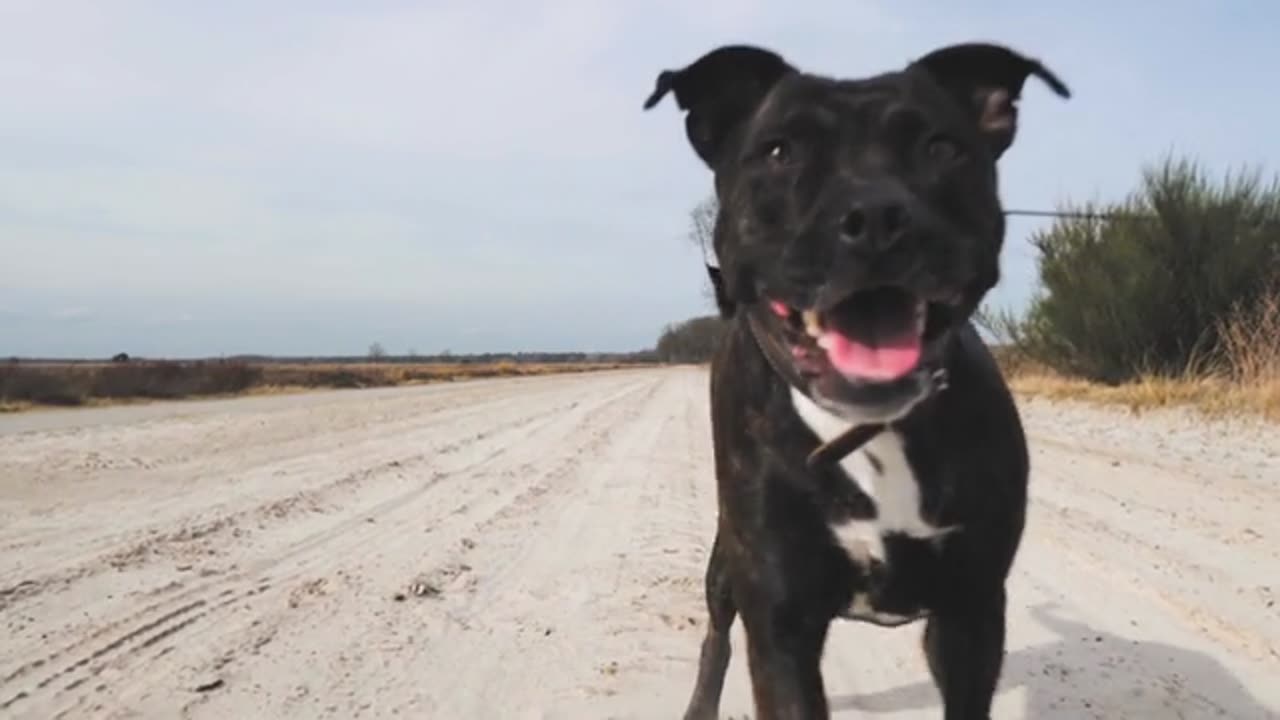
1076	215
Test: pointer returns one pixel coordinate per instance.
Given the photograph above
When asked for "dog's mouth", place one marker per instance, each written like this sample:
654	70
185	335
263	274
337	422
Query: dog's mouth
870	337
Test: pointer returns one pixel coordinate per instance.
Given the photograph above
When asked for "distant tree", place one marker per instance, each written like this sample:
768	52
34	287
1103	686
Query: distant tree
120	358
692	341
703	222
702	228
377	352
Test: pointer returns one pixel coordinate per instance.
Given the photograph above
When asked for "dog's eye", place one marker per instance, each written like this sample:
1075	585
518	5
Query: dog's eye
942	149
777	152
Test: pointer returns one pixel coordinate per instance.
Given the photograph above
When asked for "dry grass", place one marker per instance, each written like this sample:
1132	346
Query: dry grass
1245	378
357	375
27	385
1251	339
1214	395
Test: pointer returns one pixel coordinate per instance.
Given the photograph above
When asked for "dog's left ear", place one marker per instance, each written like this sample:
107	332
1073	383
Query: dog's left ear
987	80
719	91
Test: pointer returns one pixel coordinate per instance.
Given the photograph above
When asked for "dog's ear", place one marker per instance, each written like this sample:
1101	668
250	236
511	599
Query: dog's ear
719	90
987	80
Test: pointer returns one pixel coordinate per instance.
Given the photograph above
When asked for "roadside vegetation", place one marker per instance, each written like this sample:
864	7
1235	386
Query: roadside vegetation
25	384
1170	296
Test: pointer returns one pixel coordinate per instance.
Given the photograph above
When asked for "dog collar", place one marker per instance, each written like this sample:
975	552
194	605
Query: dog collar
847	442
843	445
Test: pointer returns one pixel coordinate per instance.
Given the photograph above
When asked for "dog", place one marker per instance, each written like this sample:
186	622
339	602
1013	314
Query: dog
870	460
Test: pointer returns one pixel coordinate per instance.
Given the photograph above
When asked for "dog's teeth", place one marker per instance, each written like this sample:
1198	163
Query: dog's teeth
813	323
921	315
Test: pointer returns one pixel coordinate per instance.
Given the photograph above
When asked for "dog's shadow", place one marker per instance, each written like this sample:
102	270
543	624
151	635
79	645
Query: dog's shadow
1086	673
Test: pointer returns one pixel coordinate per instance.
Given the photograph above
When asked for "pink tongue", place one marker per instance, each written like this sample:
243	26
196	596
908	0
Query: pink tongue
888	360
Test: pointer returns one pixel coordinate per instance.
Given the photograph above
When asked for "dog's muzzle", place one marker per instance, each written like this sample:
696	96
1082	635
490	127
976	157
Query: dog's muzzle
779	358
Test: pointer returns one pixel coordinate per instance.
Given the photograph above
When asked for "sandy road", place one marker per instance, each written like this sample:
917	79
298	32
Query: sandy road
534	548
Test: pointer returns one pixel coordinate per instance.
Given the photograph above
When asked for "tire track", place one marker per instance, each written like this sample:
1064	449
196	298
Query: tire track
137	551
175	613
285	441
444	550
452	529
259	578
569	546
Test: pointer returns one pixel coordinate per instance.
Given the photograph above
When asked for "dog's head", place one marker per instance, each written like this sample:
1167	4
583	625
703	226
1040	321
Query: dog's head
859	219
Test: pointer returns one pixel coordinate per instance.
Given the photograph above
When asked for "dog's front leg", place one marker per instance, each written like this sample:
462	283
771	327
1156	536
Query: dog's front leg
784	648
713	661
965	649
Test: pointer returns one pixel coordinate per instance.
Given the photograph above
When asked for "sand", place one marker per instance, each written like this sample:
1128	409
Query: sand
534	548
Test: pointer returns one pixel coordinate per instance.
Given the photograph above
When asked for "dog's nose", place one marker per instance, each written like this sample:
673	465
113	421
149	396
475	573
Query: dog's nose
875	225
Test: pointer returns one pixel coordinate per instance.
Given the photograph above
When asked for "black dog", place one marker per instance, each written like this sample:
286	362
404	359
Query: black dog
870	460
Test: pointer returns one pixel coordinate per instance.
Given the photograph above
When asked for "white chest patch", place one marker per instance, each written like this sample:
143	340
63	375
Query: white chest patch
882	472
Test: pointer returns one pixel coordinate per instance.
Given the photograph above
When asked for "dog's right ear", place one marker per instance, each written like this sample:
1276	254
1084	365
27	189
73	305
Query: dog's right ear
719	91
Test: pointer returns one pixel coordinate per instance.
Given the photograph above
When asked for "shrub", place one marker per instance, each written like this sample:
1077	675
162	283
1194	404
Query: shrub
24	383
1150	286
173	379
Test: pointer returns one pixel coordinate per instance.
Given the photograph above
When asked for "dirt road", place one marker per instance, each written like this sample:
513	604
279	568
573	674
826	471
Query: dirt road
533	548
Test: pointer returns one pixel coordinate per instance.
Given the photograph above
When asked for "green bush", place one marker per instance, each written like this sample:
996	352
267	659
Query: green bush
1146	287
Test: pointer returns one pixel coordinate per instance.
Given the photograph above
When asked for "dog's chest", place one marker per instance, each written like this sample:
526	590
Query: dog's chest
883	473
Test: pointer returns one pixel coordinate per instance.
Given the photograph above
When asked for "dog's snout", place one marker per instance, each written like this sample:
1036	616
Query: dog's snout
875	225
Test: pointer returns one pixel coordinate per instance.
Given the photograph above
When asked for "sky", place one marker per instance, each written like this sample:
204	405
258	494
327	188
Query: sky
312	176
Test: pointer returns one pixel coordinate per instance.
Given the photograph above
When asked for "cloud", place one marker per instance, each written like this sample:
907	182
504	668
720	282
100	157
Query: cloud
493	76
301	175
72	314
171	319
